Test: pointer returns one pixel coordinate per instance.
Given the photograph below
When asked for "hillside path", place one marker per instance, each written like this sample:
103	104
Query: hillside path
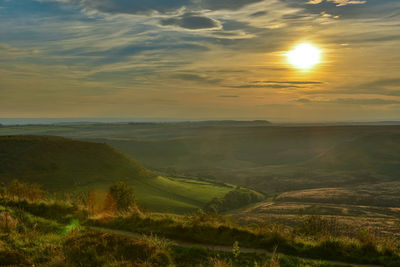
222	248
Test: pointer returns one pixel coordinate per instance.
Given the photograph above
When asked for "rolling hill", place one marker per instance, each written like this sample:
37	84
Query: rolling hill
270	158
65	165
58	163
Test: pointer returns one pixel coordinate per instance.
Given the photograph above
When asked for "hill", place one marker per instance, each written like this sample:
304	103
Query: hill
65	165
273	159
60	163
378	152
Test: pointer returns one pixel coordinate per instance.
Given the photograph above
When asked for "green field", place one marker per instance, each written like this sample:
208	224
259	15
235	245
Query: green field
170	195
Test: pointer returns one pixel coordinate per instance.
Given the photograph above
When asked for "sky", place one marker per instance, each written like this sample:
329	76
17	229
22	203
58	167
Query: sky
208	59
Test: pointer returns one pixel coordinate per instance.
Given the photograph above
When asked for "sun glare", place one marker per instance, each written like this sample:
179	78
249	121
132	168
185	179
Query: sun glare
304	56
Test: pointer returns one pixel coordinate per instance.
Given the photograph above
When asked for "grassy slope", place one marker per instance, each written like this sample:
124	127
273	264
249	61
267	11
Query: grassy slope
61	164
171	195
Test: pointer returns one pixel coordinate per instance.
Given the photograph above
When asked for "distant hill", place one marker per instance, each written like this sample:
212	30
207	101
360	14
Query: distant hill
226	123
57	162
378	152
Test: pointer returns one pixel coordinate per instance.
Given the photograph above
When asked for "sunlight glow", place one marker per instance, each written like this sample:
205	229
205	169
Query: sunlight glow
304	56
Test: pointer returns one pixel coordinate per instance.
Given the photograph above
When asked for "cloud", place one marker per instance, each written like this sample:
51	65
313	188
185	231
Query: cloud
10	50
289	82
132	7
192	21
195	78
229	96
274	86
351	101
226	4
277	84
390	87
259	14
159	6
338	2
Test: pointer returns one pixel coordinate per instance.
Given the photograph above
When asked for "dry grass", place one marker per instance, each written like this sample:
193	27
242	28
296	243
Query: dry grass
7	221
216	262
275	260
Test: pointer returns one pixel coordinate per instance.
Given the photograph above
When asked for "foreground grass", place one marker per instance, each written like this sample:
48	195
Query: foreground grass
32	240
47	234
207	229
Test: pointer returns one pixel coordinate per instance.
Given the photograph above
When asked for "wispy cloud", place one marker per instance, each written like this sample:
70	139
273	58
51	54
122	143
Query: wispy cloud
339	2
126	53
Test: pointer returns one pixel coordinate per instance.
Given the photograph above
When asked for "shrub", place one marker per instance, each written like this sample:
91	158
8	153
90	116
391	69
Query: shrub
97	249
24	191
234	199
123	196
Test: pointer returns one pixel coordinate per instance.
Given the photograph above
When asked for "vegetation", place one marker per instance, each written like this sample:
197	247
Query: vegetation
23	191
272	159
59	163
67	166
316	220
48	233
99	249
234	199
123	196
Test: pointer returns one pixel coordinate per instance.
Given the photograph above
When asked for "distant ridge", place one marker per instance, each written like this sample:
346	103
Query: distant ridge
228	123
59	163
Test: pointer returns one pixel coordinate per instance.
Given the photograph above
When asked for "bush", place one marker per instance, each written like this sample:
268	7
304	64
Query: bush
234	199
24	191
97	249
123	196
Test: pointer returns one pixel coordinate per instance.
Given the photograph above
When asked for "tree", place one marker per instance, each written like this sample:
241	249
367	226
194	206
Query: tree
123	195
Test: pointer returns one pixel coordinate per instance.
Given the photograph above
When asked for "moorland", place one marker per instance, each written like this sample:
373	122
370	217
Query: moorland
317	195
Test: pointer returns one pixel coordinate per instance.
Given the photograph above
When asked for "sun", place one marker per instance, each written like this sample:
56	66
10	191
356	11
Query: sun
304	56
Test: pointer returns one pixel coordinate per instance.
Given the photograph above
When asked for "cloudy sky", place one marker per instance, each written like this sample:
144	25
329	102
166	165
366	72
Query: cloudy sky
199	59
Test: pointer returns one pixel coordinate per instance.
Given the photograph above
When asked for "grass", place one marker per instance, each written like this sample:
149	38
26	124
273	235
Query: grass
202	229
44	242
60	164
177	195
65	165
319	239
169	194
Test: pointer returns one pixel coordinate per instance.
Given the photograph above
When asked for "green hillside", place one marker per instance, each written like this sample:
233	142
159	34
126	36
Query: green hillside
65	165
58	163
